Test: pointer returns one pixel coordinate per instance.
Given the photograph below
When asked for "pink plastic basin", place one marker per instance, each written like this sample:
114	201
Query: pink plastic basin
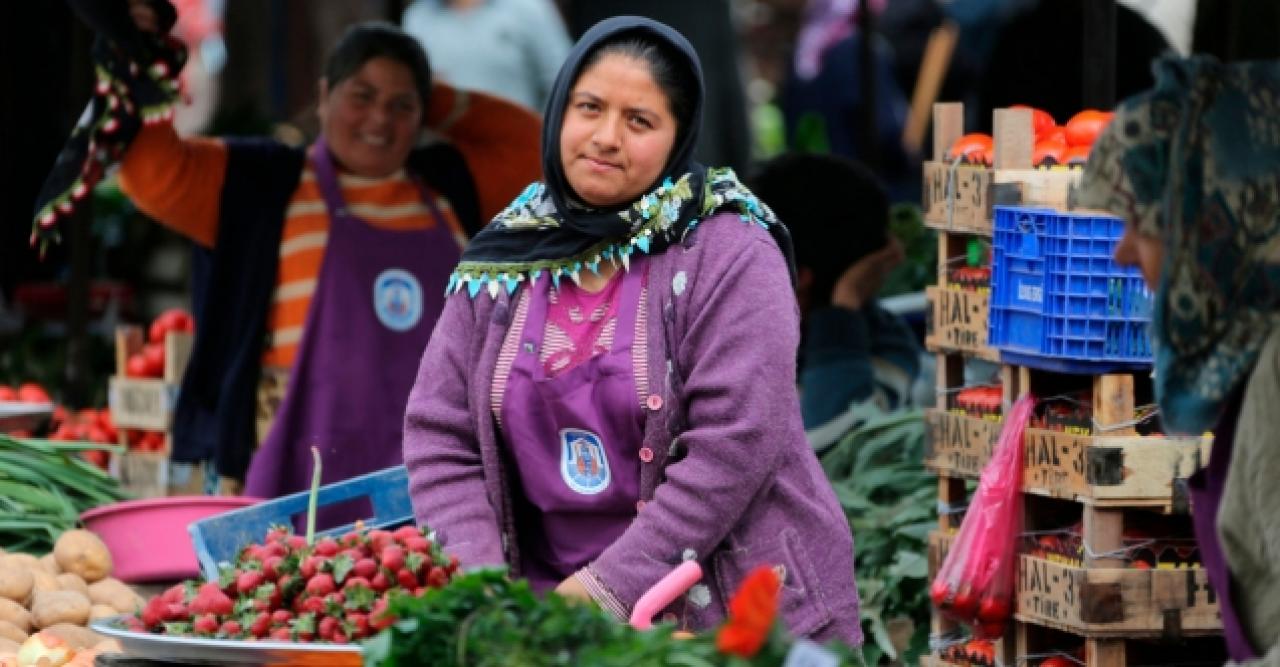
148	539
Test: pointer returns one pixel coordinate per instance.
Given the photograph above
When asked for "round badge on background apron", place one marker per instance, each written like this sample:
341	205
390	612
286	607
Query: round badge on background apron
583	462
397	299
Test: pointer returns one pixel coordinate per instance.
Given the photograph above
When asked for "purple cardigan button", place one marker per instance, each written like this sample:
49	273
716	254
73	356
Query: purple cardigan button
646	454
654	402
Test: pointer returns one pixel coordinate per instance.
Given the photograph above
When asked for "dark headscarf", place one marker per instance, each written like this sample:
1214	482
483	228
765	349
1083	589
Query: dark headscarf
1194	161
547	228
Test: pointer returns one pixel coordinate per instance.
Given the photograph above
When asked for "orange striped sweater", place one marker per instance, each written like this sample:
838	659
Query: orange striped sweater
179	182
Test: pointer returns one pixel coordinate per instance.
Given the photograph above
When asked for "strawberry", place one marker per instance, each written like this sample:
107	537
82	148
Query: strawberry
404	533
418	545
296	542
271	567
314	565
379	540
365	567
353	582
328	625
274	549
175	612
380	582
153	613
339	637
393	558
261	625
407	579
321	585
249	581
282	635
175	594
281	616
211	600
352	538
359	624
231	628
311	605
277	533
379	617
205	624
437	577
327	547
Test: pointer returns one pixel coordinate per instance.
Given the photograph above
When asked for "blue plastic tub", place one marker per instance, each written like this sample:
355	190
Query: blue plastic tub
220	538
1058	300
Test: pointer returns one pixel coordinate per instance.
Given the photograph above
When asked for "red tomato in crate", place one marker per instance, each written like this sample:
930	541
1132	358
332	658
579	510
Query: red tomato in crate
174	319
30	392
154	354
1076	155
97	457
1048	152
1057	661
137	366
8	393
153	441
1041	121
1055	133
977	148
1083	128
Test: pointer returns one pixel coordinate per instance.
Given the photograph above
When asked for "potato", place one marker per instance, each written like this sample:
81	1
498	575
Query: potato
117	594
9	647
16	614
50	609
43	583
108	646
83	553
73	582
22	560
98	611
75	636
15	581
50	564
12	632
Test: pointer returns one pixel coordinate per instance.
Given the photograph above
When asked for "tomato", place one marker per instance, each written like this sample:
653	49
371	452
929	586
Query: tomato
1048	152
30	392
8	393
965	604
1057	661
174	319
107	424
980	651
154	354
1084	127
153	441
938	592
1076	155
1041	121
95	456
137	366
977	148
994	609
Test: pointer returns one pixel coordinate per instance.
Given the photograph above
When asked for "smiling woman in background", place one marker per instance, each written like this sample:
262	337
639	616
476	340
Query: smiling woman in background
611	388
327	264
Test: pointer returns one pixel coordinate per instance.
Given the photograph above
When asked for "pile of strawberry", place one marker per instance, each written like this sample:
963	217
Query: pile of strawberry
333	591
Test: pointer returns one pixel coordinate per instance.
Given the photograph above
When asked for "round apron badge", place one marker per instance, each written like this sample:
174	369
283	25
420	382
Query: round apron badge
583	463
397	299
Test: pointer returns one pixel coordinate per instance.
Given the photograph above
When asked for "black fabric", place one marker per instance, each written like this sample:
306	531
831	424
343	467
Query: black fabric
233	284
216	411
581	227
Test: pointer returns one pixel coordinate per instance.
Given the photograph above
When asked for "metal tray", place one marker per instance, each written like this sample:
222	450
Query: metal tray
197	651
16	416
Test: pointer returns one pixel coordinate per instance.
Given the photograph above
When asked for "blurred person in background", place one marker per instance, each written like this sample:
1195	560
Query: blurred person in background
326	266
709	26
508	48
854	353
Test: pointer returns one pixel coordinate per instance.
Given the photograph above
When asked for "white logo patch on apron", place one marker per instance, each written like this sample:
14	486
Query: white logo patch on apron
397	299
583	462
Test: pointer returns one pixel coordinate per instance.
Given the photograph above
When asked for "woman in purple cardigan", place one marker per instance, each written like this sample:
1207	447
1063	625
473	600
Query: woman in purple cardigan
611	387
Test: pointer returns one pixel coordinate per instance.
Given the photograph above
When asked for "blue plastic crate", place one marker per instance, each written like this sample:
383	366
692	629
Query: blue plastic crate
1058	299
221	537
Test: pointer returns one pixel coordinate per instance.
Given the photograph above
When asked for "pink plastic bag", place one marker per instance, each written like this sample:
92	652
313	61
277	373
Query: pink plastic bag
975	583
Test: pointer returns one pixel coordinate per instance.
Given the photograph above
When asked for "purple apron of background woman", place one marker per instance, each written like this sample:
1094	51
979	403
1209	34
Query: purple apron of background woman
375	304
1206	487
575	439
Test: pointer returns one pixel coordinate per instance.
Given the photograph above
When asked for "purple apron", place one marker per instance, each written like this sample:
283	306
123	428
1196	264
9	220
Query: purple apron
1206	488
576	440
375	304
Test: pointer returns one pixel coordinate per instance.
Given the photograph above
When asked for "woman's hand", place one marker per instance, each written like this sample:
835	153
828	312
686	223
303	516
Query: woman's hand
863	280
144	16
572	589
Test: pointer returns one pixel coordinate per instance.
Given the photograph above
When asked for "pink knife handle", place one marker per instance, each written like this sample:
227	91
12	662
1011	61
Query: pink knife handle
664	593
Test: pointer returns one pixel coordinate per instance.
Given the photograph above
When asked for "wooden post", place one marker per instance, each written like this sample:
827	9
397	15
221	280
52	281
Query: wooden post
1103	536
933	69
1113	404
1105	652
1014	136
948	125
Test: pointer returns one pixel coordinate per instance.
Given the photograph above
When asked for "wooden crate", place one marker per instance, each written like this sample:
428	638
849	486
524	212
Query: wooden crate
147	403
957	323
1104	471
959	198
1116	602
958	445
